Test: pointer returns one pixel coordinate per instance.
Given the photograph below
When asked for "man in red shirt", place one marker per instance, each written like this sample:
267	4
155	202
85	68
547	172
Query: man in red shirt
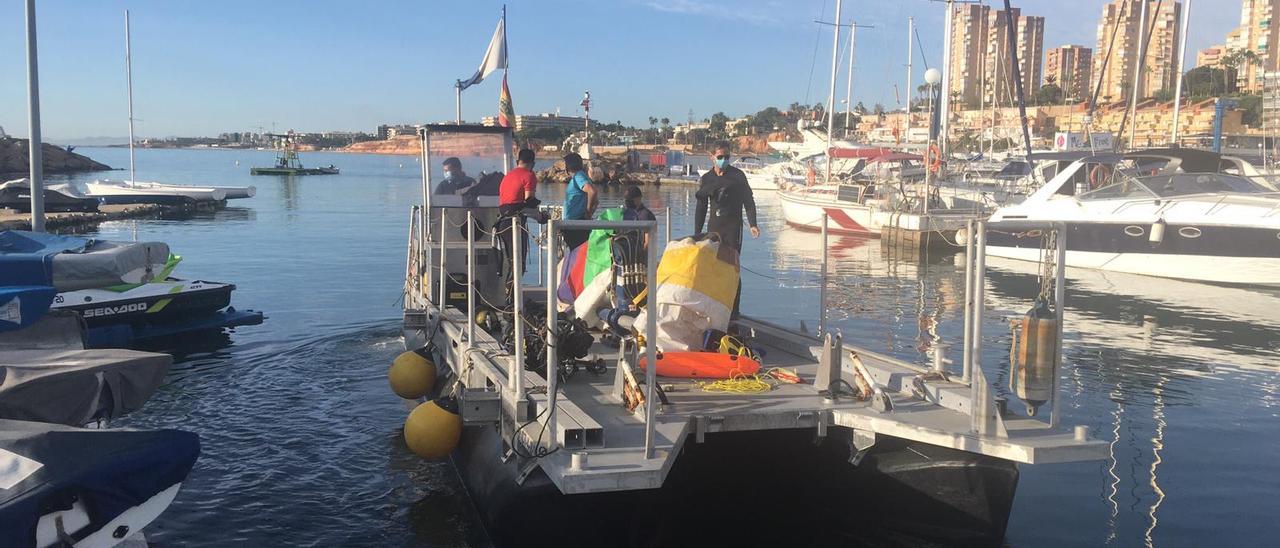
514	195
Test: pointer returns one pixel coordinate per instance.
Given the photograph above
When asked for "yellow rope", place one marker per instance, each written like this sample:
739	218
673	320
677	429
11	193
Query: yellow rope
738	384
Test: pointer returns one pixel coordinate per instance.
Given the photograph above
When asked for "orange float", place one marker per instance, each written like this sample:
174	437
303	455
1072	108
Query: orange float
703	365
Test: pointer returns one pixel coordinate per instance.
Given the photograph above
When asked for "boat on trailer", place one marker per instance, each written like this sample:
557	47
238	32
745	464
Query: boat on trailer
864	446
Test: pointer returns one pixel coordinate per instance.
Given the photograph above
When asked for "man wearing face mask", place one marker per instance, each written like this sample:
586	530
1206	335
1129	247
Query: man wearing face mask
723	190
454	178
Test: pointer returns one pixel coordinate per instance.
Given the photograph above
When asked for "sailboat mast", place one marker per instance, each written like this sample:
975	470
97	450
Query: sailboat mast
848	87
1137	74
128	73
1182	64
944	102
831	94
911	29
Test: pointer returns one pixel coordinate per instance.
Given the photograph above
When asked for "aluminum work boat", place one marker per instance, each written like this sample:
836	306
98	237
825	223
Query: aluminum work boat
1173	213
562	439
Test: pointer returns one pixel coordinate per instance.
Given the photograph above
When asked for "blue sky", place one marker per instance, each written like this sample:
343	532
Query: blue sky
201	68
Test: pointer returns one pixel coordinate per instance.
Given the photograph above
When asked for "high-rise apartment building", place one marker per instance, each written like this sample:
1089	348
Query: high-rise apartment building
980	67
1259	34
1210	56
1118	48
1070	67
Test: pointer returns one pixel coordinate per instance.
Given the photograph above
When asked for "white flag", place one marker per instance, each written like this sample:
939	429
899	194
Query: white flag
494	58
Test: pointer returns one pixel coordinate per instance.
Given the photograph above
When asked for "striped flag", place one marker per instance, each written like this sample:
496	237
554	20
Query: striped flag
506	112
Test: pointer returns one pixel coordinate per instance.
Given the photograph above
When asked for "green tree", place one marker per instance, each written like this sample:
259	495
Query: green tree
1048	94
1163	95
1204	82
718	121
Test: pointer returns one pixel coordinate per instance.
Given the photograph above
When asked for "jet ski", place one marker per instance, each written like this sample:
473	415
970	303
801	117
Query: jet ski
16	194
125	288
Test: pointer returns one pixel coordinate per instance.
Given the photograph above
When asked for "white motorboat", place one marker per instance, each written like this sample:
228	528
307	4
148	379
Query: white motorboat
1173	213
760	175
228	192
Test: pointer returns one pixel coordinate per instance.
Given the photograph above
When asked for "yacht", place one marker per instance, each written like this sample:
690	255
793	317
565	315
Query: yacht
1173	213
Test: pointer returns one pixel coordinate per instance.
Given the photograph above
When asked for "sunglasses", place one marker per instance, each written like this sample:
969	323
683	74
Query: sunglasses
722	156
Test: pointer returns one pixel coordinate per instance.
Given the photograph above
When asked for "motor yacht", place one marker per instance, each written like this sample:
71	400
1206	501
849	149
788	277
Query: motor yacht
1173	213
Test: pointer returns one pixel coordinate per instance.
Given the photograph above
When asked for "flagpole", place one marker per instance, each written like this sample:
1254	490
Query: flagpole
457	88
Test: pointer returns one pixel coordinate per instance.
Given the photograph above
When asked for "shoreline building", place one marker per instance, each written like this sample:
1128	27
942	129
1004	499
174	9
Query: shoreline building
1259	34
1071	68
979	62
532	122
1211	56
1114	62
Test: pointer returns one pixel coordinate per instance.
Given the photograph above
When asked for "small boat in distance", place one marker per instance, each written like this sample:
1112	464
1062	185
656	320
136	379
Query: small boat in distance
287	162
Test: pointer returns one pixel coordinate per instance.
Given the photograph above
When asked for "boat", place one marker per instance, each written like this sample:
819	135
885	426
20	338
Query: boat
133	191
643	460
16	195
760	175
127	192
1174	213
94	486
287	162
122	291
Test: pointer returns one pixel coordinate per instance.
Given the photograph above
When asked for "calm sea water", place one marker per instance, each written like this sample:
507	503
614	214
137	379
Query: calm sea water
301	433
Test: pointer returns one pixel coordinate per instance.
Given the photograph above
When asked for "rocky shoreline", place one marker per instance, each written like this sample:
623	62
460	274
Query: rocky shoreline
14	154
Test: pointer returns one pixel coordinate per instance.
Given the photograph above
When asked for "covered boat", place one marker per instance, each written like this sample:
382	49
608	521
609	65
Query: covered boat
195	192
16	194
62	485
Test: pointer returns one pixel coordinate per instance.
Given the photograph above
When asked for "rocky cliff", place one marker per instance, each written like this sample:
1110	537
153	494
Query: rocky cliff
756	144
14	154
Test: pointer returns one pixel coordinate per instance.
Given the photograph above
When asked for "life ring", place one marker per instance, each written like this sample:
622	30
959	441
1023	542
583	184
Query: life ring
933	158
1097	175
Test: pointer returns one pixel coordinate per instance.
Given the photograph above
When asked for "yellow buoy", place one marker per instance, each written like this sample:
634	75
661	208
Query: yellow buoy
412	375
433	429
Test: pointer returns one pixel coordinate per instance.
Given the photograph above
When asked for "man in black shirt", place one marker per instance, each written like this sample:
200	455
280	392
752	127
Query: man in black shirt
454	178
724	191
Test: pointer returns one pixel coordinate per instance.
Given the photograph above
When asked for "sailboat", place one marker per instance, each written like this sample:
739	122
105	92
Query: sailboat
113	191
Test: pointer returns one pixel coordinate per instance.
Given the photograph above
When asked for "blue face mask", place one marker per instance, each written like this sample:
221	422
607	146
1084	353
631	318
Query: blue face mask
448	175
722	162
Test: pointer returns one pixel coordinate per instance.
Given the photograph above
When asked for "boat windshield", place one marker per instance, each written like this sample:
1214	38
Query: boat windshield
1178	184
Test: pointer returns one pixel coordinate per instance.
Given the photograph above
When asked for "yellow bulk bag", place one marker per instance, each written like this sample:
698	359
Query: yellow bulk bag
697	281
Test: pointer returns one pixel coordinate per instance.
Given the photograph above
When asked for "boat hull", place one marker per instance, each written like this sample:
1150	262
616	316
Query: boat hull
155	302
806	212
1228	255
20	199
765	487
292	171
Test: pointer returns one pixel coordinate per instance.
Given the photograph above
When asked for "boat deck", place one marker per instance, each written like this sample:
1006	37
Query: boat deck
607	441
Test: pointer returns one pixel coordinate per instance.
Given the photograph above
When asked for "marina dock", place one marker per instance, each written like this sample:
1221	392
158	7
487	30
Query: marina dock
79	221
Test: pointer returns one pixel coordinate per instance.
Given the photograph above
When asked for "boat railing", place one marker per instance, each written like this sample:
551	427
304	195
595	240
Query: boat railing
511	385
508	378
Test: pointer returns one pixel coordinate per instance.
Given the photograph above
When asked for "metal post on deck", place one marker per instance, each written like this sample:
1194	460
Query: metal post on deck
553	365
979	286
444	253
426	177
967	347
515	377
471	280
35	152
1059	305
667	237
822	281
409	264
651	343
